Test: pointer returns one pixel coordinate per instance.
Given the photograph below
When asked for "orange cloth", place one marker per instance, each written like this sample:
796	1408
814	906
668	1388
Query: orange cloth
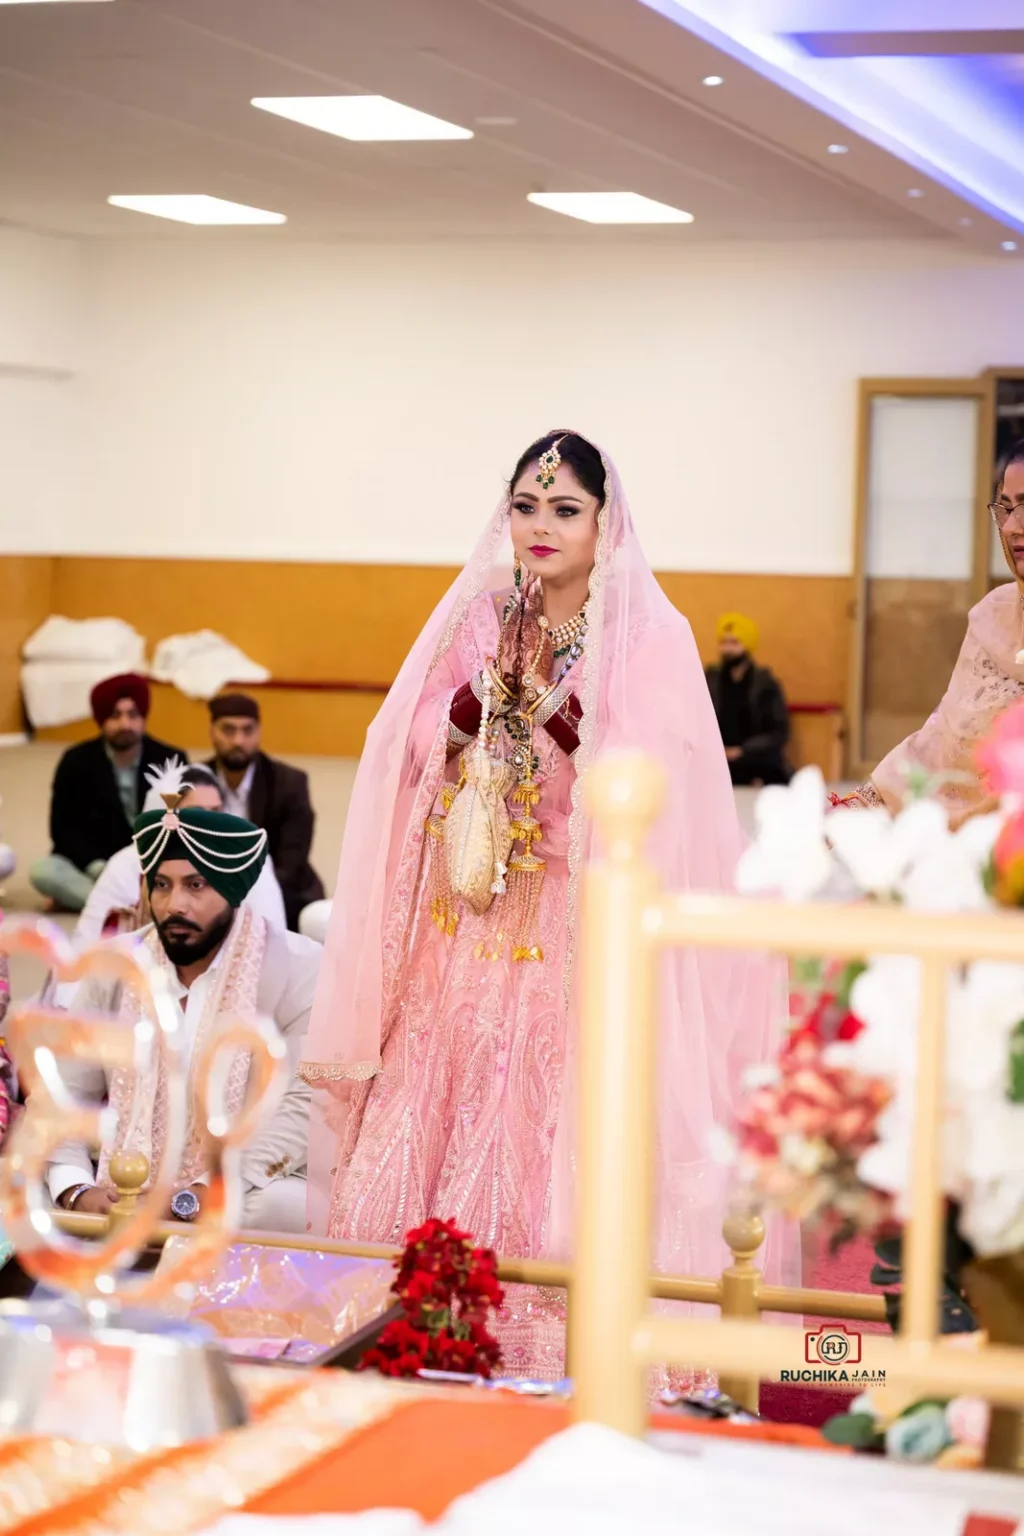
428	1453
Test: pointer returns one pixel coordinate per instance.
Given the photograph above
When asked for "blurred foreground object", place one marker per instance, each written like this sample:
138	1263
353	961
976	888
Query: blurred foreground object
91	1365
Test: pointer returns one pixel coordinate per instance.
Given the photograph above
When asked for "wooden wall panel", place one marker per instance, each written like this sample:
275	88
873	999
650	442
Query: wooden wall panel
804	623
26	583
355	623
913	635
295	722
309	621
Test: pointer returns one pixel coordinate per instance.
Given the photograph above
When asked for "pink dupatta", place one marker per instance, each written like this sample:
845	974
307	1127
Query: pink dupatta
642	686
987	679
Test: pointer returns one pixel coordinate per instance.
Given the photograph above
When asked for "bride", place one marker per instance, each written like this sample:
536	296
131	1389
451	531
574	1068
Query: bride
443	1037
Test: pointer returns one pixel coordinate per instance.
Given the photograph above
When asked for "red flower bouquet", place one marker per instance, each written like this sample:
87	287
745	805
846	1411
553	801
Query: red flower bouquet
806	1120
446	1287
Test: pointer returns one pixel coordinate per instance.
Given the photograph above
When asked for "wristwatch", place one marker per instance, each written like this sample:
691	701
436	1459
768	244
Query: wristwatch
185	1205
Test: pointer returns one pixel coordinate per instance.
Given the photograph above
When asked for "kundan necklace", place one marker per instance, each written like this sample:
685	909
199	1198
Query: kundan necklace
565	637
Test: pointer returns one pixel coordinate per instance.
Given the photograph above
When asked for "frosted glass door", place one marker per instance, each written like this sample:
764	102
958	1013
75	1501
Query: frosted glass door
918	533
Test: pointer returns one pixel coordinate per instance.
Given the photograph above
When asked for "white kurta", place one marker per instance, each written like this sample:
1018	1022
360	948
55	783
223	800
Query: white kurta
273	1164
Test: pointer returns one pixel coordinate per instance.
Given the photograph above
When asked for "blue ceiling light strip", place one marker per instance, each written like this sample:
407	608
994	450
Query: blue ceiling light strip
945	117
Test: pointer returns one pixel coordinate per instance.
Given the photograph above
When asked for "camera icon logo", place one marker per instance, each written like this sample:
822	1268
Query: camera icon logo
832	1344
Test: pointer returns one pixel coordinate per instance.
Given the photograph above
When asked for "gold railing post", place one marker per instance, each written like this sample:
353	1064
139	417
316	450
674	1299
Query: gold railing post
624	793
743	1230
128	1172
922	1237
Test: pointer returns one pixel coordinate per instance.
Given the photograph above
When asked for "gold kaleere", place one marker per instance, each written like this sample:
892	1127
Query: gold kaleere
444	912
525	872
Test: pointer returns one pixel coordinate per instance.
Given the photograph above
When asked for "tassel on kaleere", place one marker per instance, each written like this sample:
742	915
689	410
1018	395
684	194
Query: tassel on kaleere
525	878
444	913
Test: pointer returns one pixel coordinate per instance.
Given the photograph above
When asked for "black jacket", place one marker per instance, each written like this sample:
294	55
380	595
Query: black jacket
87	819
279	800
769	724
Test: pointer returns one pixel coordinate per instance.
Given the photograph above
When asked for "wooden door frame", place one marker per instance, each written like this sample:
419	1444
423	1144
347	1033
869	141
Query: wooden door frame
982	389
983	530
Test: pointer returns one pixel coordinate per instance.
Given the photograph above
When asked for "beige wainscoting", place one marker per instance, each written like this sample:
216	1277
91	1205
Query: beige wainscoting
351	626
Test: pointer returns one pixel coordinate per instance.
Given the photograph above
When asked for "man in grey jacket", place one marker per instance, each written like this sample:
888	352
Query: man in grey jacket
222	960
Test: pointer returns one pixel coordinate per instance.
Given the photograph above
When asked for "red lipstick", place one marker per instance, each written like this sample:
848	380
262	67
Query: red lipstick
542	551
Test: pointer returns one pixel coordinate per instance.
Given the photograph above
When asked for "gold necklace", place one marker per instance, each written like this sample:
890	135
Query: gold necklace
564	636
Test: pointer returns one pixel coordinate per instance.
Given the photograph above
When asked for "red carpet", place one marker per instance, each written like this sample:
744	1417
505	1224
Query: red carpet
847	1270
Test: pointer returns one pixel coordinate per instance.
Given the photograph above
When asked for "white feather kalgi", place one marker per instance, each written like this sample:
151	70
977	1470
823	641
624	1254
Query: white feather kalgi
163	780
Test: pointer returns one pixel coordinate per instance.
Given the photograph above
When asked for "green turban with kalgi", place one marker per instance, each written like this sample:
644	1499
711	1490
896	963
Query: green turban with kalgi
227	851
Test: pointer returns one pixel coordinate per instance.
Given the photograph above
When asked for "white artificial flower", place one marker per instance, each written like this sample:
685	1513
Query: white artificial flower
721	1146
948	874
789	855
992	1215
804	1156
982	1148
982	1015
879	849
886	998
764	1074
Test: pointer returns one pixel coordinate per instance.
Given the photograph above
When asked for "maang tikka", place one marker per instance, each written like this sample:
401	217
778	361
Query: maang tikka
548	465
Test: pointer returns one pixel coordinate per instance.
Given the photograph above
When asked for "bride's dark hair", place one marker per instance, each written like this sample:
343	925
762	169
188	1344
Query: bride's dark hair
582	458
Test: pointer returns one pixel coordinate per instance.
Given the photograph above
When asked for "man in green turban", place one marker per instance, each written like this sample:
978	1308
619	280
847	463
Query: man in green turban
225	961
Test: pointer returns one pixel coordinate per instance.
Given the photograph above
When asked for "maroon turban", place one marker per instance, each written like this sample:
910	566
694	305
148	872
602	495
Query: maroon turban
106	696
234	706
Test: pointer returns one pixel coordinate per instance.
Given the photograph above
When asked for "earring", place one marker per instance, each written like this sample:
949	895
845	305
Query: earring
517	571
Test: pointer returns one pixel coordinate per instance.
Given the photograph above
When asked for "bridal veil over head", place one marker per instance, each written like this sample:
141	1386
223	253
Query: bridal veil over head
641	686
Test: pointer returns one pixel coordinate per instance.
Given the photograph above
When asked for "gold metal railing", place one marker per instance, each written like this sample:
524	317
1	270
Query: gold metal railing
853	1305
627	920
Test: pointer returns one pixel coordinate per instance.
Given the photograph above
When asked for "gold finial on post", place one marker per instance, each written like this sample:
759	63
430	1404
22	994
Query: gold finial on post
128	1173
624	793
743	1231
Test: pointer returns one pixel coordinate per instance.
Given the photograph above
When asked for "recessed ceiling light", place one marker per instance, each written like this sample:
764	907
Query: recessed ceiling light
966	223
914	192
839	149
496	122
610	207
197	208
713	80
366	119
1009	245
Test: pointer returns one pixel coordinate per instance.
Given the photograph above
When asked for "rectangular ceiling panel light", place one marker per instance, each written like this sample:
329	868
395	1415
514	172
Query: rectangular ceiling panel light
197	208
610	207
366	119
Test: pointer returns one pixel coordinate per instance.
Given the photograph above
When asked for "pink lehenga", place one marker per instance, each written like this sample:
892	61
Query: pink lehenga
460	1066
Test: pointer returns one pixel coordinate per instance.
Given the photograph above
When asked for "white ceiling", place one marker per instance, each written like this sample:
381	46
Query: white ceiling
151	96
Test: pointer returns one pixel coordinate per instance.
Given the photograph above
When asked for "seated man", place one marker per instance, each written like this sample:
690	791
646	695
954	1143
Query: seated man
224	961
115	904
268	792
750	705
98	791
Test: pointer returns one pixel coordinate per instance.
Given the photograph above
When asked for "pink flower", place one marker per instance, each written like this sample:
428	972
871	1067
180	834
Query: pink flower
967	1420
1000	757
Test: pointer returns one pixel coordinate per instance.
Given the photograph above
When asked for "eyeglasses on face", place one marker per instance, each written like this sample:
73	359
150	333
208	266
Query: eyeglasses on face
1002	513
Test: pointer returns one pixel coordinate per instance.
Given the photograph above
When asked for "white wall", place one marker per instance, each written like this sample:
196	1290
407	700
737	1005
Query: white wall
42	314
361	403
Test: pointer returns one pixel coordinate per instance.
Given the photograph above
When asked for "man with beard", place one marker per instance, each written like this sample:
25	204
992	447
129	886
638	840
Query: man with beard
270	793
750	705
223	960
98	791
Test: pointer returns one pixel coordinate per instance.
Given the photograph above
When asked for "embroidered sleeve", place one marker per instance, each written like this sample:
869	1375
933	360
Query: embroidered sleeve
563	725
